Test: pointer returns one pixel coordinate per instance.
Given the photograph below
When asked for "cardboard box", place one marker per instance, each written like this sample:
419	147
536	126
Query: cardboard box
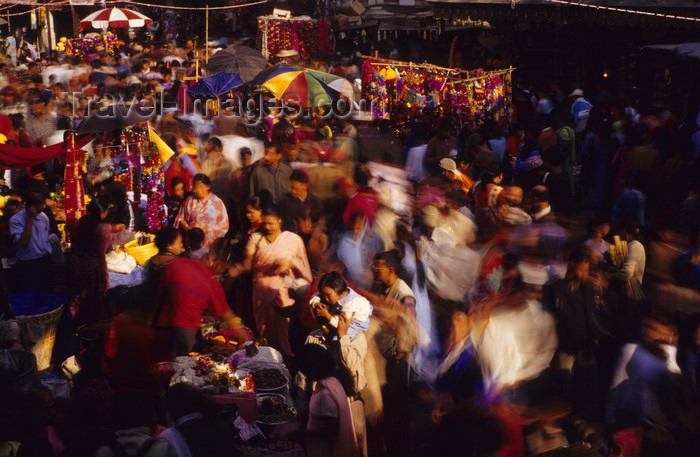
357	8
244	401
342	20
354	20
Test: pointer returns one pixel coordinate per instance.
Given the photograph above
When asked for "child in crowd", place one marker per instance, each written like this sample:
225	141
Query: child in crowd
195	238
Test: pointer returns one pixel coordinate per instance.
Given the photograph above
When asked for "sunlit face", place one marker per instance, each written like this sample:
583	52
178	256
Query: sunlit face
179	191
200	190
291	153
298	189
328	295
581	270
271	224
602	230
253	215
382	273
272	156
357	225
176	247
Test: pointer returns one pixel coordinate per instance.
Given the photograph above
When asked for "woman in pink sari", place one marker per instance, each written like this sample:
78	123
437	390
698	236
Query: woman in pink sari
276	258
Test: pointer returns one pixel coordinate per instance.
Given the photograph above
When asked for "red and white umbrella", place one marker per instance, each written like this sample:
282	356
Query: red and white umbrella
115	17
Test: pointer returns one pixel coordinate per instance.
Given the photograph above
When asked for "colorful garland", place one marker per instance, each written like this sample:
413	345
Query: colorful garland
86	47
416	89
303	35
153	182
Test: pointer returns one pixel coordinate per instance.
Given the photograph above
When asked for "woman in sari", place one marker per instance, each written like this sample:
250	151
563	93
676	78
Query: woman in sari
88	280
276	258
205	210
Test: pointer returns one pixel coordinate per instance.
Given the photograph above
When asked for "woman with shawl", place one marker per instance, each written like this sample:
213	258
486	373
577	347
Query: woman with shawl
276	258
205	210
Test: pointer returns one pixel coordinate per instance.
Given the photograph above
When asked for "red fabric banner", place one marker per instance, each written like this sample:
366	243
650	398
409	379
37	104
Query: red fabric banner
17	157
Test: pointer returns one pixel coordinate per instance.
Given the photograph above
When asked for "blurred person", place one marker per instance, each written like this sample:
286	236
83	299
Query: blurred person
272	255
688	267
205	210
11	102
494	135
329	431
88	279
690	209
169	242
297	199
580	110
313	232
195	238
529	159
271	174
135	419
441	146
557	181
203	436
175	199
179	165
396	308
541	209
641	370
40	123
416	155
29	229
356	248
217	168
240	178
572	301
457	170
598	229
100	167
364	198
515	369
632	203
347	345
188	289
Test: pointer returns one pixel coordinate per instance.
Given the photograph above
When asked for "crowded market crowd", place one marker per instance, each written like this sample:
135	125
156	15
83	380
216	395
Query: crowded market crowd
521	287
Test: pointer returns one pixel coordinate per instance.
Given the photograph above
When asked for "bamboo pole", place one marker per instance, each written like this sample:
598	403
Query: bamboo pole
206	36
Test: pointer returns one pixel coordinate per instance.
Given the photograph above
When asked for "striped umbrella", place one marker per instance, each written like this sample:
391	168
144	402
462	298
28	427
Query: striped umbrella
337	83
115	18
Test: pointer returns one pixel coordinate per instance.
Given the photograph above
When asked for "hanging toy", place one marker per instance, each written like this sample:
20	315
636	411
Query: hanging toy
364	36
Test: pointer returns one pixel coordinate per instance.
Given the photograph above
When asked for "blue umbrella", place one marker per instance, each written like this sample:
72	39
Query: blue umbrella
217	85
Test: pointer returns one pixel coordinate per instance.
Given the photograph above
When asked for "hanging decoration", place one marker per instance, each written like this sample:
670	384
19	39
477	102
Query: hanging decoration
153	183
74	201
89	47
405	90
308	36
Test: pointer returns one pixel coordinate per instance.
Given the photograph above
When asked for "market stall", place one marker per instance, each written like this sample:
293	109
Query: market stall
392	88
310	37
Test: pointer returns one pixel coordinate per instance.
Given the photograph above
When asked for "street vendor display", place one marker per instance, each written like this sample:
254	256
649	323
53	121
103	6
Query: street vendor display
92	44
308	36
395	88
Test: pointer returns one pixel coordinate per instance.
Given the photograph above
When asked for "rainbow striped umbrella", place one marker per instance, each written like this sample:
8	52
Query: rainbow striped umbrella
295	85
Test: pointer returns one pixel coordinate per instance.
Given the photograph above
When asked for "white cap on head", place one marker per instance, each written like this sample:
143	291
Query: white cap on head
576	93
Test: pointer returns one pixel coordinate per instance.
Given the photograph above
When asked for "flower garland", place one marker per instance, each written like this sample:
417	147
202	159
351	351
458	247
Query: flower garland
84	48
303	35
153	182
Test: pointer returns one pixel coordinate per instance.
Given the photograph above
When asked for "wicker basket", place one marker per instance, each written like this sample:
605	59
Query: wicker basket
141	253
22	305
